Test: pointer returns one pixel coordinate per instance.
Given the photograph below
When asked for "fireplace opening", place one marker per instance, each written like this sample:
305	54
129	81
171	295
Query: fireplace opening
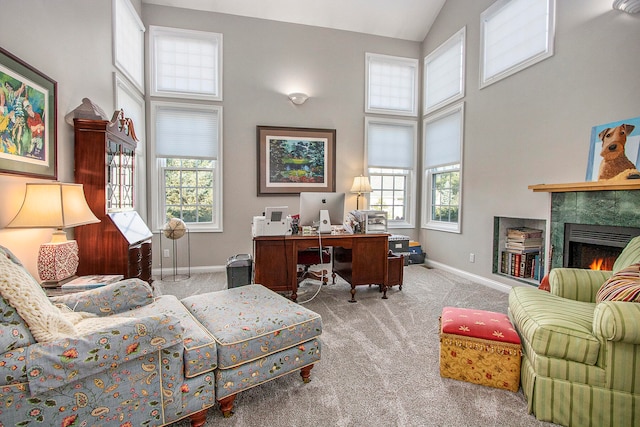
595	247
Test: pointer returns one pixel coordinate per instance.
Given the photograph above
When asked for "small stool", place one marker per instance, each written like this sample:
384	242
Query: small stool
480	347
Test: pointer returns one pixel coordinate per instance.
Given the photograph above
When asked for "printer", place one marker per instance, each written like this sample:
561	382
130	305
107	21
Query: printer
274	222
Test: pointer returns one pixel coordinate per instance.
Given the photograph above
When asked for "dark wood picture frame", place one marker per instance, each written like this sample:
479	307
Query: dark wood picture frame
28	120
291	160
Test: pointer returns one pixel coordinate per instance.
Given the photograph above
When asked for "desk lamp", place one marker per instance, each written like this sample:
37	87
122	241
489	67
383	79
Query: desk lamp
360	185
55	205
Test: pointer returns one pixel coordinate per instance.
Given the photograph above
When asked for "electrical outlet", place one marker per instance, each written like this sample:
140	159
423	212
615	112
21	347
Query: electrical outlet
166	253
472	257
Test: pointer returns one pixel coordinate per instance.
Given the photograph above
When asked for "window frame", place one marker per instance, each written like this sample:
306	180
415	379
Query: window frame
411	63
410	205
455	42
156	169
492	12
429	171
158	31
119	56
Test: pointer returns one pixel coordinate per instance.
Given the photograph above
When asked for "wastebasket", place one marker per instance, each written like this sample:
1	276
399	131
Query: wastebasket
239	269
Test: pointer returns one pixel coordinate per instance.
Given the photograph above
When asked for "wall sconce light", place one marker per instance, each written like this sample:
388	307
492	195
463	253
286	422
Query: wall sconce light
360	185
55	205
298	98
629	6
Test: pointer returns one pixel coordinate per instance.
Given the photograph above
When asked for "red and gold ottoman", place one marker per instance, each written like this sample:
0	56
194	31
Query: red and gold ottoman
480	347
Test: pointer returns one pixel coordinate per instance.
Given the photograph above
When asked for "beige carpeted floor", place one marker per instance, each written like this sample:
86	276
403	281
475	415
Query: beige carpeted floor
379	363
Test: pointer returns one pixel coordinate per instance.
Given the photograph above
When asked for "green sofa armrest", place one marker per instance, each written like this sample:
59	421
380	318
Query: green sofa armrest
111	299
617	321
576	283
56	363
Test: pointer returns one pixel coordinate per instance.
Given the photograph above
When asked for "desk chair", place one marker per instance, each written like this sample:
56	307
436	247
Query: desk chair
310	257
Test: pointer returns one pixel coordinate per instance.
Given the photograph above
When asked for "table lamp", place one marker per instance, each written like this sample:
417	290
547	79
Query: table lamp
55	205
360	185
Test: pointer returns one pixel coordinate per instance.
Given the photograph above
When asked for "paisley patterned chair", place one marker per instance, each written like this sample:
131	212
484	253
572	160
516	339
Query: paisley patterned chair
118	356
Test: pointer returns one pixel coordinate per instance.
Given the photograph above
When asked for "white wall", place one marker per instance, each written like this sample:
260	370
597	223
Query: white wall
534	127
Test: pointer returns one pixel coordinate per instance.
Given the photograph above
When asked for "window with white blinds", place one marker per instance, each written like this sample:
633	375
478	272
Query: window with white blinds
391	85
442	164
185	63
444	73
391	161
186	131
128	43
515	35
187	147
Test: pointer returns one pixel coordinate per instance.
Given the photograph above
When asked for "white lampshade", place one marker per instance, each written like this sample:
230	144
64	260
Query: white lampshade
629	6
53	205
361	185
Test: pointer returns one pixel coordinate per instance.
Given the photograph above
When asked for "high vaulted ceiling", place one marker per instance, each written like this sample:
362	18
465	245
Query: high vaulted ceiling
401	19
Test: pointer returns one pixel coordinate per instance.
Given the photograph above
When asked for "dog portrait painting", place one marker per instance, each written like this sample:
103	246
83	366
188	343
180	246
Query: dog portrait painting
615	151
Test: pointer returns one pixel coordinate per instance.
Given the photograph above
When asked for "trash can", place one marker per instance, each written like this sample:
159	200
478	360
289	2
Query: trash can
239	269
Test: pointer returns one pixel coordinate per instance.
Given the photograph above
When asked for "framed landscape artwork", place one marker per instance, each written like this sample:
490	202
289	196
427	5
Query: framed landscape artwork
631	148
27	119
291	160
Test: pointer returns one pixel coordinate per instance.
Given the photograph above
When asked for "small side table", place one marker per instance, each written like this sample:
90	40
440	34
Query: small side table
174	265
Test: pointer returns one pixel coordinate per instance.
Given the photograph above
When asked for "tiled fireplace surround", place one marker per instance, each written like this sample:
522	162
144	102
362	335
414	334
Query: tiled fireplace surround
616	208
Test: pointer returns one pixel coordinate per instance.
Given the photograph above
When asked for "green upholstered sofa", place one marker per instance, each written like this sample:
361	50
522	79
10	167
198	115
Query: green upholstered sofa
581	362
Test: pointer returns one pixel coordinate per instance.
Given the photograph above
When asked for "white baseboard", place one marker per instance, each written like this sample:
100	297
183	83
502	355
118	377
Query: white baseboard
473	277
168	271
433	264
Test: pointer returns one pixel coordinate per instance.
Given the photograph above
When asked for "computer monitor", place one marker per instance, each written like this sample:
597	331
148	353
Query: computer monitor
311	203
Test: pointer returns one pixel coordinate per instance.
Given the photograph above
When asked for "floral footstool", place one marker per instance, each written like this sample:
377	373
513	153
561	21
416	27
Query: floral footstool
259	336
480	347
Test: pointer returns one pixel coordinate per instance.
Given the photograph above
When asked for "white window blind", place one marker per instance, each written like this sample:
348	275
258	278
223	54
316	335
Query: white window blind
390	145
444	72
186	63
442	137
391	85
515	34
129	42
186	132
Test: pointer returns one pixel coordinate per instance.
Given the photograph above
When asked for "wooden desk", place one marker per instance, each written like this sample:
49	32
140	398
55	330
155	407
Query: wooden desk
360	259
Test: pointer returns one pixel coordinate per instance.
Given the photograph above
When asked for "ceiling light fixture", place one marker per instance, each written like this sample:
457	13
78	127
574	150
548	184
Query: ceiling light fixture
298	98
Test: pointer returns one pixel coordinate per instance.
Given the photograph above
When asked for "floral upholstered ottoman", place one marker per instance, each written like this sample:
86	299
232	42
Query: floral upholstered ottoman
480	347
259	336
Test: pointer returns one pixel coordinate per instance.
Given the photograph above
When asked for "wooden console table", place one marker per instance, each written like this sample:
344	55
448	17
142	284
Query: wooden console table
362	260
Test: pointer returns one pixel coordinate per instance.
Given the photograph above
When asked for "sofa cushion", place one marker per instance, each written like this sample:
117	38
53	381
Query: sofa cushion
630	255
200	353
622	286
554	326
251	322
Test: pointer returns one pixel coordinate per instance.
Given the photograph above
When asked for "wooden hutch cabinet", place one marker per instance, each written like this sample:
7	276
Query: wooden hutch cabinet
104	164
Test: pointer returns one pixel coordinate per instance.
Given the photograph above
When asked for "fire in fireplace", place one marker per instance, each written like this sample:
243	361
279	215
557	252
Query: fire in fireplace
595	247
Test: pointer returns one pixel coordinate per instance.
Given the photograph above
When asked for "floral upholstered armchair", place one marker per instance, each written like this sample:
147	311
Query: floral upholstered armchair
94	358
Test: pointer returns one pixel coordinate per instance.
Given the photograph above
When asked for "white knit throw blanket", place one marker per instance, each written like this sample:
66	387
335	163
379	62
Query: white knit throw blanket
46	321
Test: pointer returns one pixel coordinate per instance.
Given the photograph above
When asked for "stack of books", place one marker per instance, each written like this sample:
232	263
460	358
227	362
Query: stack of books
522	254
91	282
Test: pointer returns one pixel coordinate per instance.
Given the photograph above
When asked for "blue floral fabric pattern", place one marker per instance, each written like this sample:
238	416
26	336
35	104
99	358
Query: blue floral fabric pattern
252	322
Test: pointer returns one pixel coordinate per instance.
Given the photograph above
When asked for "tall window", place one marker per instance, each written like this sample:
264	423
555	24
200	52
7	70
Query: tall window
442	169
187	148
391	152
185	63
187	137
128	43
515	35
444	73
392	84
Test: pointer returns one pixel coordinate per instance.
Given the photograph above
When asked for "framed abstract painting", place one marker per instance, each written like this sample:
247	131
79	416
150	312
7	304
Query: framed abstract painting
27	119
